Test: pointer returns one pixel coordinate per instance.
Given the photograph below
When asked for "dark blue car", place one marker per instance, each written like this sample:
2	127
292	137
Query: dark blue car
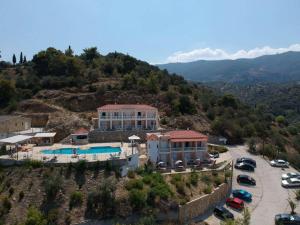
242	194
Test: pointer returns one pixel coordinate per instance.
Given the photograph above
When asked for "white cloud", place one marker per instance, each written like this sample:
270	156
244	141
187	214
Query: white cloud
218	54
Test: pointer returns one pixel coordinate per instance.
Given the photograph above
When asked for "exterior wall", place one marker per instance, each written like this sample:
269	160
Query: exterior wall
152	146
164	150
127	120
80	141
14	124
202	205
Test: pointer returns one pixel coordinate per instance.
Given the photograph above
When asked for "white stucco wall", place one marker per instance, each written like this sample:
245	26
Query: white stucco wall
152	149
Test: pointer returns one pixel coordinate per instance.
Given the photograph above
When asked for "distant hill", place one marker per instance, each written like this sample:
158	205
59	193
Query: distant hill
270	68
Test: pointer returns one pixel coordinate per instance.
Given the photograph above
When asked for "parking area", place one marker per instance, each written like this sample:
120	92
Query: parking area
269	197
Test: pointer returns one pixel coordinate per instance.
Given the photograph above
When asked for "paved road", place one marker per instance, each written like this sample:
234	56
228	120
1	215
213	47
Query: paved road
269	198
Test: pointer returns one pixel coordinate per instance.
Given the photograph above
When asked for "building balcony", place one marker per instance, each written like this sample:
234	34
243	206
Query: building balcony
128	117
180	149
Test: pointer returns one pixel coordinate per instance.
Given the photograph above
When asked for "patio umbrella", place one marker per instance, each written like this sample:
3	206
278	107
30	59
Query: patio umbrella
132	139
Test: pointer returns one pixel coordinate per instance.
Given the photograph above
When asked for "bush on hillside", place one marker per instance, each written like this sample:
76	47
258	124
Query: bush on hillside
76	199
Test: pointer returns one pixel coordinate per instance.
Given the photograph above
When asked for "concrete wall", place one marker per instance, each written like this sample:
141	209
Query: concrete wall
97	136
202	205
14	124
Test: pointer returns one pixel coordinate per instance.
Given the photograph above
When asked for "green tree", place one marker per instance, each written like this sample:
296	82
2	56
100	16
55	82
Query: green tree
69	51
89	54
24	59
14	59
21	58
280	119
252	145
7	92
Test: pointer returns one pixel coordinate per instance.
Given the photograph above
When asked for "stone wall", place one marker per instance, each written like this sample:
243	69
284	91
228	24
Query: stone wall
202	205
97	136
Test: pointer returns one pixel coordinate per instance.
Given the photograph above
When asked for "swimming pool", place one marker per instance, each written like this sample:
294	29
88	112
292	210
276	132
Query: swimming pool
90	150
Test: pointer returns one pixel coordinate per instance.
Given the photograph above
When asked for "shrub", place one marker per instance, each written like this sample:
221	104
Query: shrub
194	178
33	163
6	205
297	195
52	216
136	183
11	191
76	199
131	174
52	185
35	217
161	190
21	195
207	190
80	166
147	221
137	198
180	187
217	181
176	178
206	179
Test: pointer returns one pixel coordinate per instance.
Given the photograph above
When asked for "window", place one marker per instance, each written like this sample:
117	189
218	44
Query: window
139	113
139	123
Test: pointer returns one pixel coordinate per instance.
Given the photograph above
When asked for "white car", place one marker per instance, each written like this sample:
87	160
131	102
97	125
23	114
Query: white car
290	175
279	163
291	182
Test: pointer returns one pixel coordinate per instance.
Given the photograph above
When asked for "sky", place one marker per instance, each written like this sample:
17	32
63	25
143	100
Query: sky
157	31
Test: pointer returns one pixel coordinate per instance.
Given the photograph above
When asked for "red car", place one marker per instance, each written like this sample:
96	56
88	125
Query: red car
235	203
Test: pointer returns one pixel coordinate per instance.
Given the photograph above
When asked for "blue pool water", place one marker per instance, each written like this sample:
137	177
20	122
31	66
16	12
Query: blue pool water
91	150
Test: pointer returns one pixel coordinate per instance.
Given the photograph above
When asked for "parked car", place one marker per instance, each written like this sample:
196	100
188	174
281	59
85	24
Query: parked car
242	194
291	183
287	219
246	160
161	166
244	166
223	213
245	179
214	154
279	163
290	175
235	203
179	165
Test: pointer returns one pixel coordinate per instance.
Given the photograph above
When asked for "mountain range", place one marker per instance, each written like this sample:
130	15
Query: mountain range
277	68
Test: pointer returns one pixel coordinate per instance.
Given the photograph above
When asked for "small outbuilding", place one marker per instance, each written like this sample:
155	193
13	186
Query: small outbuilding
44	138
80	136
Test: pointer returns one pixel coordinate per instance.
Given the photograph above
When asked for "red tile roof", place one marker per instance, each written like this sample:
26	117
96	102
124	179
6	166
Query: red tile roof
186	135
126	106
81	131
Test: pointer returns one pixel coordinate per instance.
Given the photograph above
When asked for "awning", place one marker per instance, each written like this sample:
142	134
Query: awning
134	137
44	135
15	139
188	140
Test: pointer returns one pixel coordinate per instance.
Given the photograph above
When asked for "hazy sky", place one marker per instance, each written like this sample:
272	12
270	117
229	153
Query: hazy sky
153	30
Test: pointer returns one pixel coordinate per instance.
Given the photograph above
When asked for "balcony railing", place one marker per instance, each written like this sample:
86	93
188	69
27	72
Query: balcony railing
185	149
128	117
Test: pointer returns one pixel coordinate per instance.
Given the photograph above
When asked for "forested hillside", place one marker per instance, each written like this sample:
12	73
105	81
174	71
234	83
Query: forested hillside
70	87
278	68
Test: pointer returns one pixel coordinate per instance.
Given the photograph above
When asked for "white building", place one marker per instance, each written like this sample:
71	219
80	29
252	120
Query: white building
176	145
127	117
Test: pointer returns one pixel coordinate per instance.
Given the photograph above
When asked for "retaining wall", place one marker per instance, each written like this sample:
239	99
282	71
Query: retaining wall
203	204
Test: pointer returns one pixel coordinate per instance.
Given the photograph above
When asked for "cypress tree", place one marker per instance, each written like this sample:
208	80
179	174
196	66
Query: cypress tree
24	59
21	58
14	59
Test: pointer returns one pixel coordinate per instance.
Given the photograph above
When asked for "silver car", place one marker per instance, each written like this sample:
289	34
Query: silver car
279	163
291	183
290	175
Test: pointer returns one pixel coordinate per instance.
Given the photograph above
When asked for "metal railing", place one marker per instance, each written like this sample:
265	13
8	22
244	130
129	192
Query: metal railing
185	149
128	117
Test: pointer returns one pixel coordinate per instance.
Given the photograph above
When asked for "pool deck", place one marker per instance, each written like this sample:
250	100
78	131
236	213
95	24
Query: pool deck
36	153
